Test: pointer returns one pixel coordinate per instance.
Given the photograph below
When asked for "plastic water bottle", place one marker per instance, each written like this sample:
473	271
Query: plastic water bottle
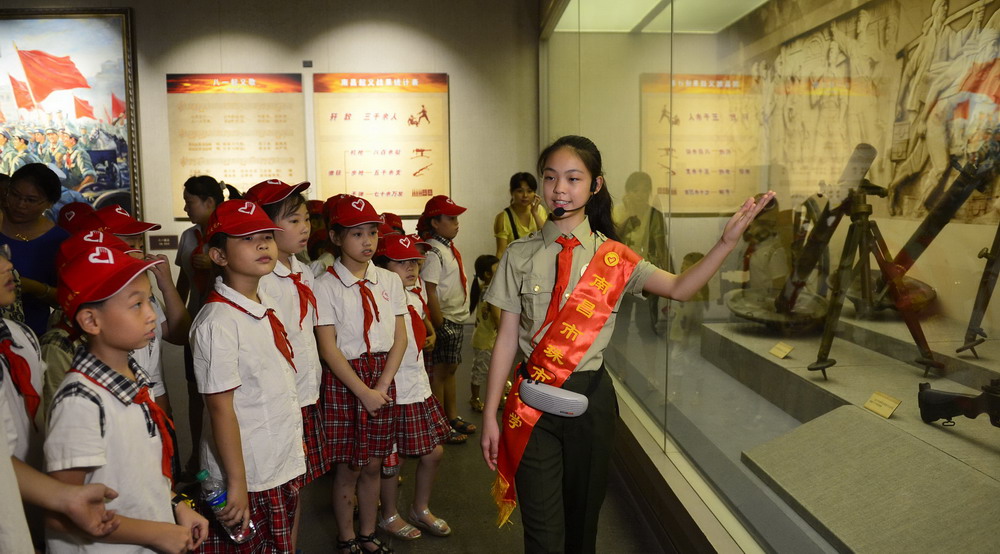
213	491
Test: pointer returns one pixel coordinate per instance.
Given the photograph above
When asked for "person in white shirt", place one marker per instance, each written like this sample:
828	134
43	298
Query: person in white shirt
244	368
361	336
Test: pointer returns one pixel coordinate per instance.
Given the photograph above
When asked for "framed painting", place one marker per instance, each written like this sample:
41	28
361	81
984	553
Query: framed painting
71	104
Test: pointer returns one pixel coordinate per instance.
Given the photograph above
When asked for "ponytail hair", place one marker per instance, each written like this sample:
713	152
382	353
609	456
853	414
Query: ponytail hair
484	264
600	205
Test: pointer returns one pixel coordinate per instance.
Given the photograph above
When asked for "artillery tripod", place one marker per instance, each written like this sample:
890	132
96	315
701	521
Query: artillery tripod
864	240
974	334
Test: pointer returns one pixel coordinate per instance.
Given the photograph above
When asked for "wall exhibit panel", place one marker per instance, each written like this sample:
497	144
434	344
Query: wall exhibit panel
383	137
239	128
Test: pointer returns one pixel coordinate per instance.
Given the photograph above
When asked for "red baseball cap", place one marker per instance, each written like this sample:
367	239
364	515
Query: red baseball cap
120	222
314	207
272	191
351	211
87	240
97	274
79	216
398	248
391	224
239	218
329	207
442	205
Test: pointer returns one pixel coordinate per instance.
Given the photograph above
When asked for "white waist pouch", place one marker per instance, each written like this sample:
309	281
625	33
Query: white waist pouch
552	400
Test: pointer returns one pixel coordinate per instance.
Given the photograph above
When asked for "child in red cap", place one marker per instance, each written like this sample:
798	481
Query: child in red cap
290	285
103	423
244	368
363	354
448	300
421	426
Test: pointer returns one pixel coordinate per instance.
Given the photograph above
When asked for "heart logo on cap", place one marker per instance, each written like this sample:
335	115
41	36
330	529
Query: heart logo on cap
248	208
405	242
448	200
121	210
94	236
358	204
101	255
70	214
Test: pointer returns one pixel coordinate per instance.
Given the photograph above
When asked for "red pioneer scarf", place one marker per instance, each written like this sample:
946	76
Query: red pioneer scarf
277	329
306	296
368	305
559	352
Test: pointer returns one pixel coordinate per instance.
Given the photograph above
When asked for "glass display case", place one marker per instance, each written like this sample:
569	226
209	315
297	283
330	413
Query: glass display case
823	382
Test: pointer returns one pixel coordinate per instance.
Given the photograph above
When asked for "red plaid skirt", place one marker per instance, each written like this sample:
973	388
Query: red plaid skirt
272	512
314	439
420	427
352	435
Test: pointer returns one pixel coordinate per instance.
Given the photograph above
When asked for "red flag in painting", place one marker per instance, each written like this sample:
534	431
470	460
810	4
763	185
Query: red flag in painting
22	96
984	78
83	108
2	118
47	73
117	106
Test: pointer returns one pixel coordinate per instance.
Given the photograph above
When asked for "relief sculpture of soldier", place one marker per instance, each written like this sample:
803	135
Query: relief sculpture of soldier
931	89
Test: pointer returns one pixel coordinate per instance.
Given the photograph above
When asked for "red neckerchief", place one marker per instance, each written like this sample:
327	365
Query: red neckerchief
160	418
20	374
560	351
367	304
306	296
277	329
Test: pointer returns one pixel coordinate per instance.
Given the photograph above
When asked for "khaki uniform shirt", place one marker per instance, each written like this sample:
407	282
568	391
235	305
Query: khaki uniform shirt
527	273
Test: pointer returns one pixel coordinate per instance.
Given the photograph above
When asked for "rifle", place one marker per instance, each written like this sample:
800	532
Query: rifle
935	404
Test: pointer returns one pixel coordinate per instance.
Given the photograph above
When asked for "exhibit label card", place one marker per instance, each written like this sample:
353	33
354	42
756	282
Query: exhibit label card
781	350
699	141
238	128
383	137
882	404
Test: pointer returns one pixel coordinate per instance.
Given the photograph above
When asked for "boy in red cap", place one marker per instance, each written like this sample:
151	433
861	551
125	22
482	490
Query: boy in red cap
290	285
421	426
60	343
448	300
243	366
363	354
103	423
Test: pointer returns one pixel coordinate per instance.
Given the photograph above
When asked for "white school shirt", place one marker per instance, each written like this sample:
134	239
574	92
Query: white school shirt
339	303
92	427
14	535
412	385
148	358
185	246
282	290
22	435
235	350
441	268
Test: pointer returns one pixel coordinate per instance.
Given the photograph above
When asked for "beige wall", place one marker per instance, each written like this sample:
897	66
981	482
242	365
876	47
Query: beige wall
488	49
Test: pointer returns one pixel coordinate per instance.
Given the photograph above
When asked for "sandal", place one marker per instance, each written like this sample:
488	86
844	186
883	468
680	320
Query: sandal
454	437
462	426
370	539
350	546
477	404
407	532
439	528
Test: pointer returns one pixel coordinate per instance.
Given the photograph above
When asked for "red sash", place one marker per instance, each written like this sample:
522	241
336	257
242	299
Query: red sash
277	329
558	353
